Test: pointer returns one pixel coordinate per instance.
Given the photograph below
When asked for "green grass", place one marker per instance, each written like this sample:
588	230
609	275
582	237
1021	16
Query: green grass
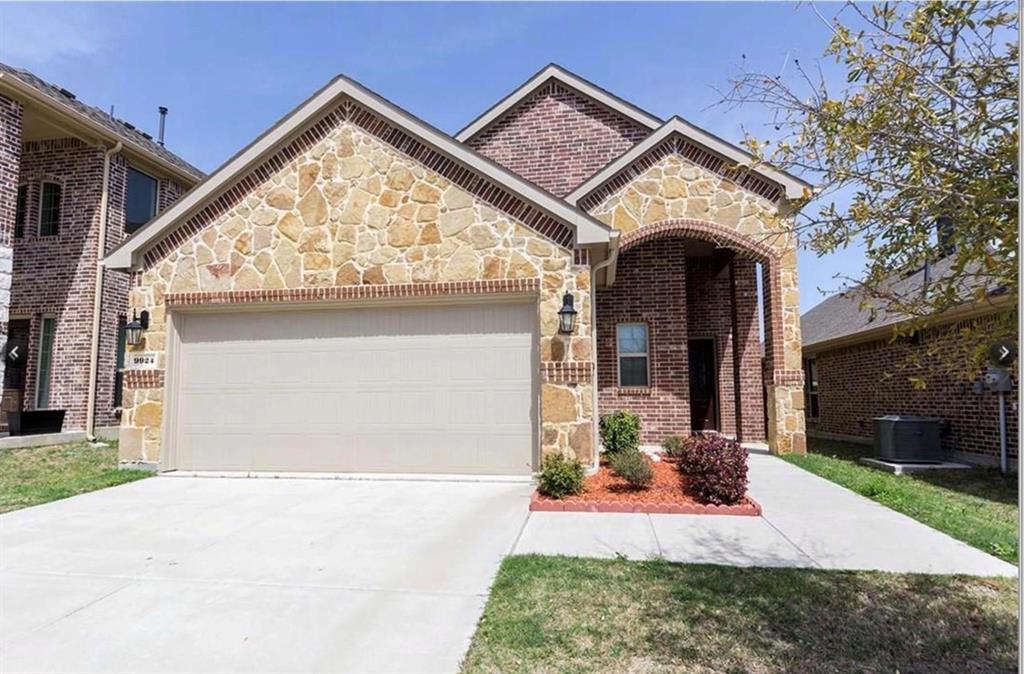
37	475
977	506
559	614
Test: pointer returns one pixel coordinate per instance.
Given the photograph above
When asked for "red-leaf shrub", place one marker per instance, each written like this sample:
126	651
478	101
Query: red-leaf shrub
717	468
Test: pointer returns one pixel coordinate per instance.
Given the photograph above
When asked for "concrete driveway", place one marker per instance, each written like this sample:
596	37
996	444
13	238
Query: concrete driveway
225	575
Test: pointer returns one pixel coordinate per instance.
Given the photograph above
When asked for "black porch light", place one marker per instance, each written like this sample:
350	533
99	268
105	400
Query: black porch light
133	330
567	315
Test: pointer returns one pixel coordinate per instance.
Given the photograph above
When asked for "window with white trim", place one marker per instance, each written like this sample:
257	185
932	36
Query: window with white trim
634	362
44	369
140	202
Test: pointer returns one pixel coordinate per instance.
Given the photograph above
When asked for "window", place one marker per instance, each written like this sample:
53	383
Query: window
49	210
811	387
119	366
633	361
21	212
140	206
45	368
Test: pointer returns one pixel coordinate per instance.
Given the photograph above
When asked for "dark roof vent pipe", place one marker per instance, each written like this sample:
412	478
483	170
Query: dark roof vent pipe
163	120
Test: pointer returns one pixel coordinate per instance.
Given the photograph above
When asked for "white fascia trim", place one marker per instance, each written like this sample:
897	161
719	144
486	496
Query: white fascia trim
794	187
553	71
588	229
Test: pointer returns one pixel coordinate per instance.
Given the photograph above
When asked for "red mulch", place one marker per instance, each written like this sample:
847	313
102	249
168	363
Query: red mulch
606	492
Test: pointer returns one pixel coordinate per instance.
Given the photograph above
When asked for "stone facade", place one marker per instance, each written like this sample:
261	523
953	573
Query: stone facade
861	381
673	196
347	210
557	138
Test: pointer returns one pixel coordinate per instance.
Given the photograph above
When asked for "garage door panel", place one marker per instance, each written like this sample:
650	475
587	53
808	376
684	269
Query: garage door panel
445	389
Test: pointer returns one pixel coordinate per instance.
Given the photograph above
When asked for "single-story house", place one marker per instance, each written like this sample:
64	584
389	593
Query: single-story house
863	362
358	291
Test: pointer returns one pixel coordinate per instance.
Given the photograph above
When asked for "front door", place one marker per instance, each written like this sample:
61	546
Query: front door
703	387
15	366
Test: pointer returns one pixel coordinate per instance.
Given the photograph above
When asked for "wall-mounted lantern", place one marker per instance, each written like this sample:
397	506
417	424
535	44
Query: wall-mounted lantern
133	330
567	316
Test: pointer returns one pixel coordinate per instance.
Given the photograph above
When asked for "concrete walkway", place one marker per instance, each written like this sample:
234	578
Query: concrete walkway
808	522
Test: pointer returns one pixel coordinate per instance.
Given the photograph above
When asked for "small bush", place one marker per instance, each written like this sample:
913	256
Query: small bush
560	476
717	468
620	431
673	446
633	467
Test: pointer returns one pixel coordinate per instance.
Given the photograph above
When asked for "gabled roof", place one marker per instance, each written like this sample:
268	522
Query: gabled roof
841	319
588	230
793	187
571	80
63	101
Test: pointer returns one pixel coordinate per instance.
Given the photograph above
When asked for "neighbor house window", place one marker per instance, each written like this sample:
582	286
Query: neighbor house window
119	365
49	209
634	367
45	368
140	206
811	387
21	212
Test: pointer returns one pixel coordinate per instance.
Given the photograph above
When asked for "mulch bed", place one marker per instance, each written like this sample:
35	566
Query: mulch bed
606	493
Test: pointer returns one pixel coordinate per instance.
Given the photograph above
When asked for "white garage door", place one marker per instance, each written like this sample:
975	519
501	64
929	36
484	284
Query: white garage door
428	389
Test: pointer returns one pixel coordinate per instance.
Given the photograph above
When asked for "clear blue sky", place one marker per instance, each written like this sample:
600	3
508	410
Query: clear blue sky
228	71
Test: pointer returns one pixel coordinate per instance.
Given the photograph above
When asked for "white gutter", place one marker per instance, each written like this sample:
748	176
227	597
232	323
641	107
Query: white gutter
608	263
97	299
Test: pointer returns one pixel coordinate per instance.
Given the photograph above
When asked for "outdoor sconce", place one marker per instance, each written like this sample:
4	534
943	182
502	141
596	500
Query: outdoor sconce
133	330
567	316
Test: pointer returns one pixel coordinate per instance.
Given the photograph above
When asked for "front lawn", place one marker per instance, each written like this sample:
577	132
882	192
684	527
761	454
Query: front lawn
977	506
560	614
35	475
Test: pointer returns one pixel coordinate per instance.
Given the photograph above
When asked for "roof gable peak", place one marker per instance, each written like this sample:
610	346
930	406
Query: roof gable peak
555	72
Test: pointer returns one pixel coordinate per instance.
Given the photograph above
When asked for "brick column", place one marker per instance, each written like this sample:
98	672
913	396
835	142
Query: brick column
10	169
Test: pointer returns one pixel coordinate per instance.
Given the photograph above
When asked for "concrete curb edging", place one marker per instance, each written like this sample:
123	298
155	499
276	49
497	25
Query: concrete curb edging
539	504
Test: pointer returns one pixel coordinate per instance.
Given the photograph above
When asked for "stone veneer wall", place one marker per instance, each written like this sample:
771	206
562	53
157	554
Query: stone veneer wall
557	138
347	215
674	188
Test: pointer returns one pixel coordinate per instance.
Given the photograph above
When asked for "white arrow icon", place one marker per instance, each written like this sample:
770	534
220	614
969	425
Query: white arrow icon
1003	352
13	353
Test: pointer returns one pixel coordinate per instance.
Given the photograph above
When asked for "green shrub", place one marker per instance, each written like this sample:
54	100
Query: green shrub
633	467
620	431
674	447
560	476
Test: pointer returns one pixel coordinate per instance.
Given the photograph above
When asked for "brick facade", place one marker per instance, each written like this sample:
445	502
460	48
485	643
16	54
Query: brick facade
859	382
56	275
11	113
679	298
557	138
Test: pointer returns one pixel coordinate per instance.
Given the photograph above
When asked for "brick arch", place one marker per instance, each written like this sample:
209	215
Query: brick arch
703	230
771	272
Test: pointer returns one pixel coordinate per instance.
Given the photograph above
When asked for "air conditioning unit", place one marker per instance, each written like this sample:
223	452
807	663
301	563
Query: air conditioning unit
908	439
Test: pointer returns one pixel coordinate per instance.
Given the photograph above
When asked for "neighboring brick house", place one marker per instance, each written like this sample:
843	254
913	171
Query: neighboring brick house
59	158
859	366
359	291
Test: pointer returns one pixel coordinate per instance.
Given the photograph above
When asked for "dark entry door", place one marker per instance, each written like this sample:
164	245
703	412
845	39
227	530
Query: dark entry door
15	366
703	386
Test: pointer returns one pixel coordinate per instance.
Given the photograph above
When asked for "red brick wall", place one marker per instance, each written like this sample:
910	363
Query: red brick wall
557	138
650	287
56	275
682	298
858	383
10	161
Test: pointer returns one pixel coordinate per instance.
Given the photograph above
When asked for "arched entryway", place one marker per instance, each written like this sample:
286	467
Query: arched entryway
679	332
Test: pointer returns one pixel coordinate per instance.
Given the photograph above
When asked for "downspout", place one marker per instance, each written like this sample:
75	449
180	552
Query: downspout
97	299
608	263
